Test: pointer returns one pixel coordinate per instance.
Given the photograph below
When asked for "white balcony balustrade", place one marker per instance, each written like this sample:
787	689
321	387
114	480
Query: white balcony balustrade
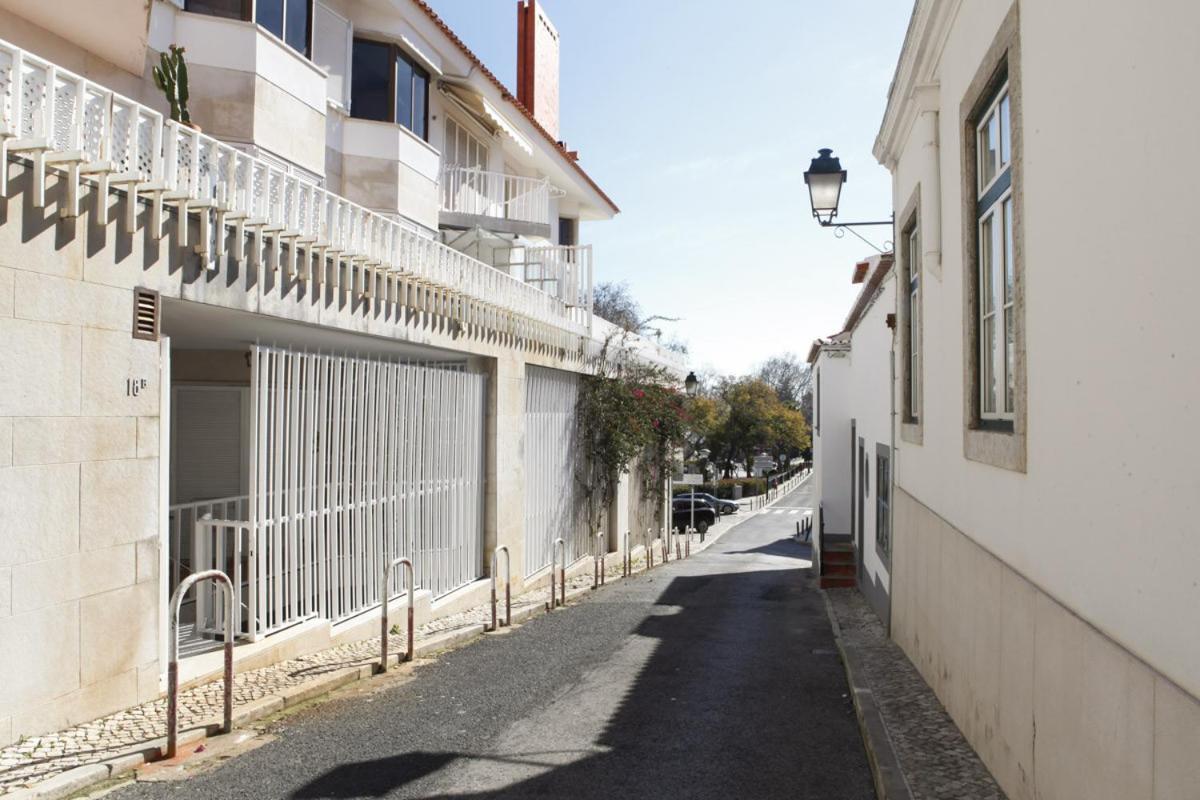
564	272
61	121
477	192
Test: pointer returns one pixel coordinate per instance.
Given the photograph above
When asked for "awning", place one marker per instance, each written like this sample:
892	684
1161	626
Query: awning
486	114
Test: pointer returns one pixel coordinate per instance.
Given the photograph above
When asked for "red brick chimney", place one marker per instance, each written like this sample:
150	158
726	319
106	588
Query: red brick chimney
537	64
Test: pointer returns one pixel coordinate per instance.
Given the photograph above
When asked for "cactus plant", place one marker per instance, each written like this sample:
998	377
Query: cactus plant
172	78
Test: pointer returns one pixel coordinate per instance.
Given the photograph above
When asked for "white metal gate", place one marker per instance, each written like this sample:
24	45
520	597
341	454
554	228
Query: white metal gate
554	502
355	461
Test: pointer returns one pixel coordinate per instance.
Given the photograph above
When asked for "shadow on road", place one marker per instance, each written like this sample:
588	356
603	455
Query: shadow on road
742	697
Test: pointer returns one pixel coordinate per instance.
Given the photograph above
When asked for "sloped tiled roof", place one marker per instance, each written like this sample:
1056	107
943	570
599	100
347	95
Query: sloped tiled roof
509	97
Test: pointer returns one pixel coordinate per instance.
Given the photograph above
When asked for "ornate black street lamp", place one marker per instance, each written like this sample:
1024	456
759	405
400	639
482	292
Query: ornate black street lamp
691	384
825	178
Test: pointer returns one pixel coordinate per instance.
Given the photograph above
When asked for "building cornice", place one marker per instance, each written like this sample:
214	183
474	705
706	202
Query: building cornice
914	88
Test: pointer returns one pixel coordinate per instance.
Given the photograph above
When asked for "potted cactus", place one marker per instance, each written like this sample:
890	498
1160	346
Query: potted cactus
171	77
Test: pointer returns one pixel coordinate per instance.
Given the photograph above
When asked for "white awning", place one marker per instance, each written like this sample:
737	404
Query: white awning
487	114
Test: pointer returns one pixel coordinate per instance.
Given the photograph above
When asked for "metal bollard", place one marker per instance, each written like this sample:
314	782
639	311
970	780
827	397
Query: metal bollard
383	619
598	561
562	576
678	546
628	557
173	654
507	586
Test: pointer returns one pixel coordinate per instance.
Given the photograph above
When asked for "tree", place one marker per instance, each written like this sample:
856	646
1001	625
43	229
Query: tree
613	302
758	421
790	377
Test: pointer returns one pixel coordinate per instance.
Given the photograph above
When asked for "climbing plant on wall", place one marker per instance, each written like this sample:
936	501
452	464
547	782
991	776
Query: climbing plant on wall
628	411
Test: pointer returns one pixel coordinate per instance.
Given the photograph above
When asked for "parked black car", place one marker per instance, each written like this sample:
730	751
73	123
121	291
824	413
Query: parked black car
681	515
723	506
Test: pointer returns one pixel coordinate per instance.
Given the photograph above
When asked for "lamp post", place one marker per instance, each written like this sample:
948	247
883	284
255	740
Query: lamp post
825	178
691	384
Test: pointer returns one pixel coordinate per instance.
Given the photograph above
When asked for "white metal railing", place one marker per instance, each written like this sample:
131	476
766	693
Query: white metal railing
354	462
561	271
613	344
63	121
468	190
181	525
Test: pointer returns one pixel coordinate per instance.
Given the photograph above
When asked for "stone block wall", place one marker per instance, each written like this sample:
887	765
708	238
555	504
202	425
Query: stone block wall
79	480
1054	707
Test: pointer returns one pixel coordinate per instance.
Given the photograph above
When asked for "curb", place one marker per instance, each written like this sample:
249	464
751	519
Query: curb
881	755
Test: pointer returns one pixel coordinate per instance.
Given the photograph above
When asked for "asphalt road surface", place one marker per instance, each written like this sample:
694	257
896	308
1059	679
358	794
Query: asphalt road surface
714	677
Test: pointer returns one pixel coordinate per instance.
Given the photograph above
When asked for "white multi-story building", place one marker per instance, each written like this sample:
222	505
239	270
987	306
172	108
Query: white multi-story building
343	324
852	439
1043	557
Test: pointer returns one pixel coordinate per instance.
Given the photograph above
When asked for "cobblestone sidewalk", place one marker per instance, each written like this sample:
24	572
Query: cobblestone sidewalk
40	757
934	758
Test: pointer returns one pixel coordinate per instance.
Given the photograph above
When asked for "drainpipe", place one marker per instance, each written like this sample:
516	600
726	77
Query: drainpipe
895	462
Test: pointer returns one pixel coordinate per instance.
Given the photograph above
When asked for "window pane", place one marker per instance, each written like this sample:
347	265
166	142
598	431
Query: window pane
987	152
1010	351
420	94
1005	132
269	14
231	9
404	92
1009	276
296	32
371	81
987	351
986	298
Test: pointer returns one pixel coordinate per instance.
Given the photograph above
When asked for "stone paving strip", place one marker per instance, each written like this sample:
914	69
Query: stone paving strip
125	740
916	750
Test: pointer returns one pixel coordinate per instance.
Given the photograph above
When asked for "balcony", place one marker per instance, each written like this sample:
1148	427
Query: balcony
282	223
559	271
245	81
495	201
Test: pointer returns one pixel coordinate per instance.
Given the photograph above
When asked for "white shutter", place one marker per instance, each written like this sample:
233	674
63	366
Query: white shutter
207	449
332	37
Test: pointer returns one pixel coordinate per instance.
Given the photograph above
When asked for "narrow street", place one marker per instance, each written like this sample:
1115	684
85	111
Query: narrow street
712	677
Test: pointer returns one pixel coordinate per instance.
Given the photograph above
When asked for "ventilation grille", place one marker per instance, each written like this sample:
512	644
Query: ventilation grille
145	314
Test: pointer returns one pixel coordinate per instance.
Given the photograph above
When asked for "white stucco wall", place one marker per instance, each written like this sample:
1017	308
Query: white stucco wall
1105	511
1090	551
869	405
831	449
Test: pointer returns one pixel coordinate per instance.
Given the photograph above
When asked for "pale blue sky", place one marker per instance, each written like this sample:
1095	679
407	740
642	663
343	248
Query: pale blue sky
699	119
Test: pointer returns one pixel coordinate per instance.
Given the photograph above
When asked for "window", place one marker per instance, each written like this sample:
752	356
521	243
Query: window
568	231
994	212
388	86
290	20
912	314
883	501
229	9
462	149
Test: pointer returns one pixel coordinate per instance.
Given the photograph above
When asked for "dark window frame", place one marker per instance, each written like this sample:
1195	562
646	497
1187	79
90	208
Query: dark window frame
883	502
396	53
572	224
249	13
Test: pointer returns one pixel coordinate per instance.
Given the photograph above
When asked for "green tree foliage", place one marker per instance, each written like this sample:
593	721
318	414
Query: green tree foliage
631	412
755	420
